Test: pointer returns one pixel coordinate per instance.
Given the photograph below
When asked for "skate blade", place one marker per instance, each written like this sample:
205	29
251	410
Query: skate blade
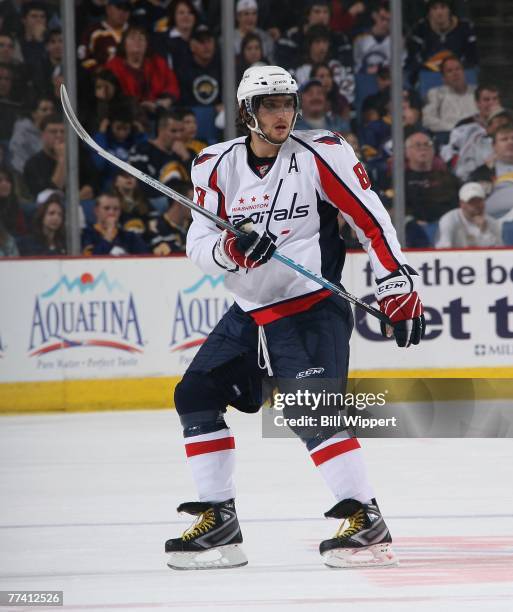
378	555
221	557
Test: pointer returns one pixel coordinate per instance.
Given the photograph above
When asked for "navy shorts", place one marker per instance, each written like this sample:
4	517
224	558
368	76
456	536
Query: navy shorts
315	339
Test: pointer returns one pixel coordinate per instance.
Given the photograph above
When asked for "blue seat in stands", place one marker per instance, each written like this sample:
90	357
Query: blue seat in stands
160	204
365	85
207	131
431	230
507	233
429	79
88	208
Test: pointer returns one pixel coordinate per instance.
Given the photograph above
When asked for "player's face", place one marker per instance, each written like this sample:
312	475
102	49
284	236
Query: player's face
275	116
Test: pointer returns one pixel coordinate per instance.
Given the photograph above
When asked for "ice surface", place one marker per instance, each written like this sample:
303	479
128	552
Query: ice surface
87	501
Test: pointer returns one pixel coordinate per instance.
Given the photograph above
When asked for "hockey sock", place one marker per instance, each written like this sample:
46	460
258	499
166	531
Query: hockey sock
212	460
340	461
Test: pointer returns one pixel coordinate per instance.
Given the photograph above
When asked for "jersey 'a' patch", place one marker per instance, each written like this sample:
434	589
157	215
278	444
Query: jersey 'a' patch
329	140
203	158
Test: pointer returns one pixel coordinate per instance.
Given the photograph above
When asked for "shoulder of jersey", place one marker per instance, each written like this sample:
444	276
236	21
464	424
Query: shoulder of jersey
318	139
209	156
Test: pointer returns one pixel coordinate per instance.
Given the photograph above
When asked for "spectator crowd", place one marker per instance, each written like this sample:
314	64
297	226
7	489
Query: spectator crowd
150	92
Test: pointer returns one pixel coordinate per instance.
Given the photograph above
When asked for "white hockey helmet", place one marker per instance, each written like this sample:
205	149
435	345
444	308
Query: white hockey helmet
265	81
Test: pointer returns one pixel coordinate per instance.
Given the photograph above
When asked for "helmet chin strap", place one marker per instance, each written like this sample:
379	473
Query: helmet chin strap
257	130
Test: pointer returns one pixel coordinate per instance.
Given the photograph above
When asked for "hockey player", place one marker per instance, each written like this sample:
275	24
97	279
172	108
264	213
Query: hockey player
285	190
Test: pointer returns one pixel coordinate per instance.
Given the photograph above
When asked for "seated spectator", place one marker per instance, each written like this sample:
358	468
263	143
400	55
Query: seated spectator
11	215
26	138
168	232
247	17
143	75
251	54
318	50
8	247
313	110
377	105
412	115
48	235
106	237
190	131
498	173
117	134
34	18
450	103
147	13
9	56
470	144
345	15
100	41
107	95
47	169
337	104
159	157
372	48
430	192
51	63
173	33
288	48
9	17
9	108
200	79
469	225
135	208
440	35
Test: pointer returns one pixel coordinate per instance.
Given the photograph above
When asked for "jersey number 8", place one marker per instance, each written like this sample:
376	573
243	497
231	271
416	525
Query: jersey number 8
362	175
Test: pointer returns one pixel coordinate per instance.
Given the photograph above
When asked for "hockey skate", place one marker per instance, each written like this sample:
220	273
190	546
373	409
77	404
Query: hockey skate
211	542
362	540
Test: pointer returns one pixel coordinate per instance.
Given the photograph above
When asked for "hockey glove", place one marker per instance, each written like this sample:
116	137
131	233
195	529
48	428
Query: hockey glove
399	300
248	251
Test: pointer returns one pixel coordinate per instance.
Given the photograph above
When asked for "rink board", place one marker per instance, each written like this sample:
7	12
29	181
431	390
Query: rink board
104	333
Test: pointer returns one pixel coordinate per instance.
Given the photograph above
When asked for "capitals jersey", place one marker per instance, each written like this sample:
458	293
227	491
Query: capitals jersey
315	176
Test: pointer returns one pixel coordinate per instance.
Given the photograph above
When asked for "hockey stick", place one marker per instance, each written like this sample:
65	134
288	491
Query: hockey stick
170	193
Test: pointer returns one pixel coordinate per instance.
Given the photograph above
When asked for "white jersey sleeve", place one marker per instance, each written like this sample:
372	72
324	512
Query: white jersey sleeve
343	181
203	233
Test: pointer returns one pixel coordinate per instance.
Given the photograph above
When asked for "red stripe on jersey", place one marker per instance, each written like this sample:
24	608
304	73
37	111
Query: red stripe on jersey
210	446
333	450
290	307
346	202
221	208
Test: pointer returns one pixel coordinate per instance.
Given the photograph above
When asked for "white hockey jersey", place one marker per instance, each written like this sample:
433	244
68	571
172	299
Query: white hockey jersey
315	175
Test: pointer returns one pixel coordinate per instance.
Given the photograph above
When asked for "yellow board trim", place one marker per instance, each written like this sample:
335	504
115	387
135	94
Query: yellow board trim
154	393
